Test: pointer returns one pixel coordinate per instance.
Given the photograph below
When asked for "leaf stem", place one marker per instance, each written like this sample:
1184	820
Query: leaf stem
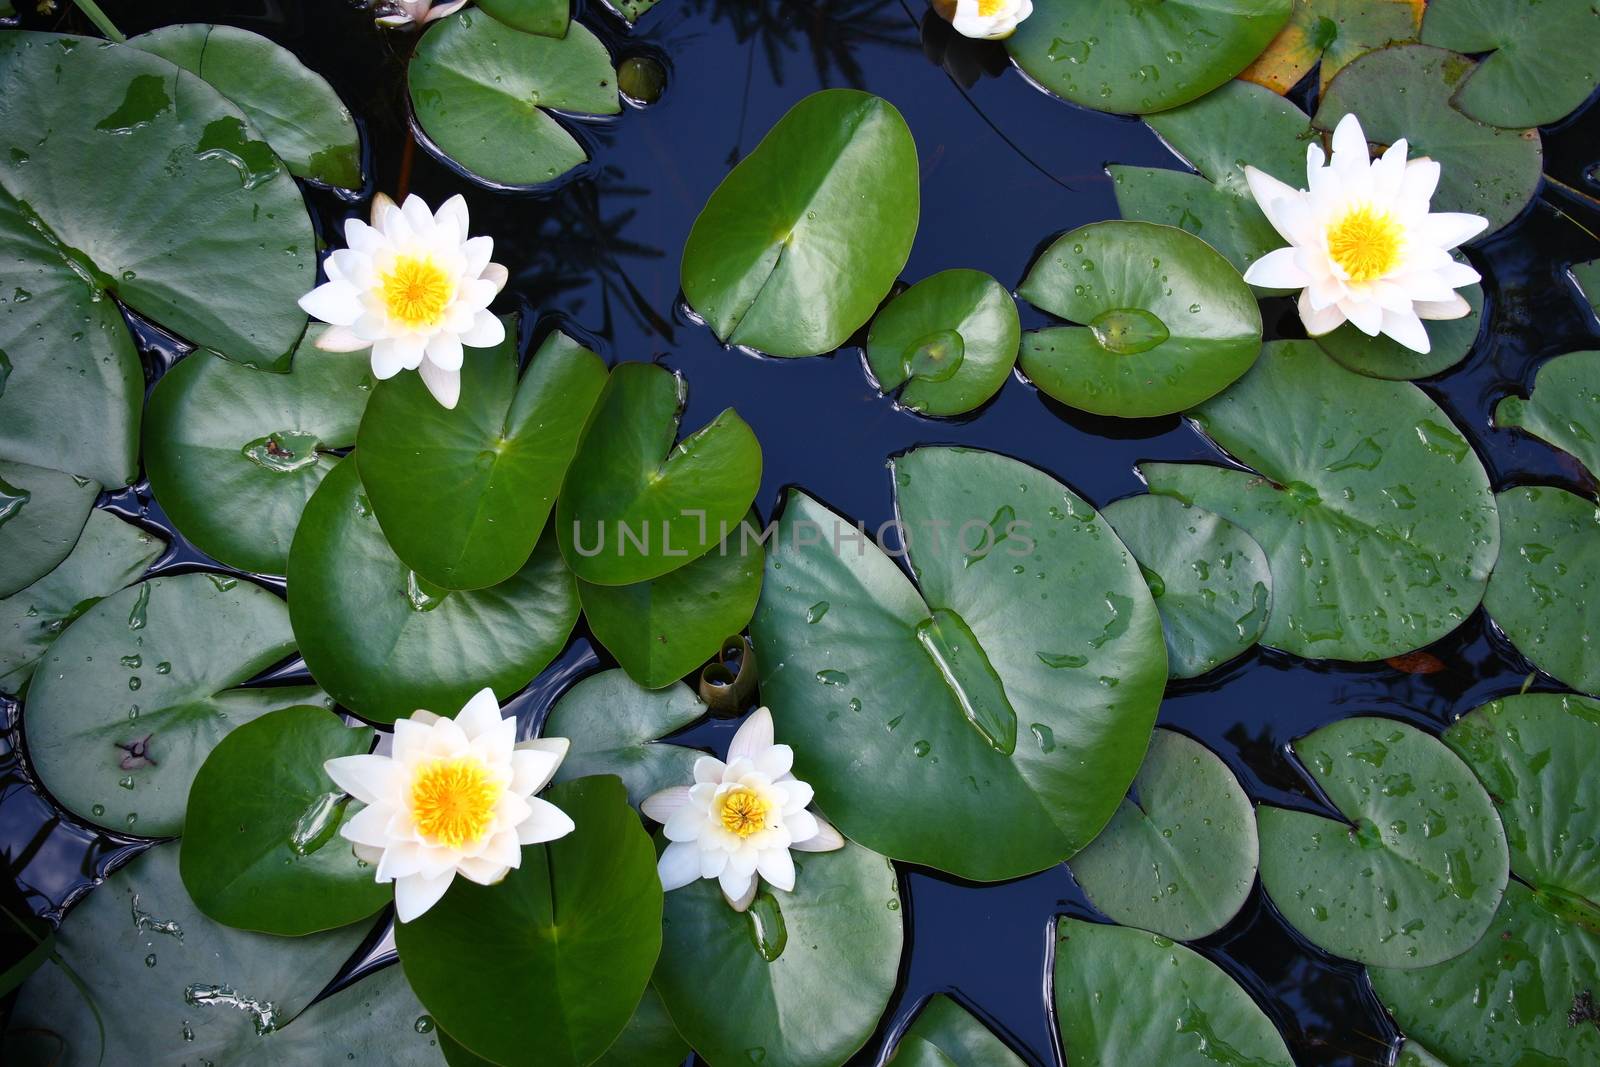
102	22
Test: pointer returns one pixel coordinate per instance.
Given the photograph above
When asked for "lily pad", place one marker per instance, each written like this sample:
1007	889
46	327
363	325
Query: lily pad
1179	856
1133	57
946	344
1124	996
1486	170
1238	121
1543	57
1540	592
1328	34
234	453
109	554
375	1020
1167	321
294	108
1586	277
812	969
462	494
546	17
1376	516
634	505
1003	711
480	90
261	845
834	182
1415	875
1383	357
649	1039
130	700
1414	1055
171	985
575	929
1209	578
385	642
224	246
957	1036
42	513
1564	408
614	725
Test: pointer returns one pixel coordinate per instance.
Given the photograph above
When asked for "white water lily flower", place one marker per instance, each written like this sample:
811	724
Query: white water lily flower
456	797
739	820
414	288
408	12
987	20
1363	246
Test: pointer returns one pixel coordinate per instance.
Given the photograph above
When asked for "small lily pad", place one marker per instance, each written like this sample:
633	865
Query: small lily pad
1328	34
42	513
1179	856
1111	983
385	642
947	343
1542	61
614	725
1209	578
1167	320
956	1035
1540	592
1415	875
1383	357
546	17
1564	408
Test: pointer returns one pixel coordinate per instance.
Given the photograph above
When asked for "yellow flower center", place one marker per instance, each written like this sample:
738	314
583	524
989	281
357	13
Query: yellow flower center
991	7
417	291
453	801
1366	243
743	812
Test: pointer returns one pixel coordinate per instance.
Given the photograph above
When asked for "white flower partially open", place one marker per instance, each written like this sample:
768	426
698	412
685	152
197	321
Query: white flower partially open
989	20
398	13
456	797
739	820
1363	246
414	288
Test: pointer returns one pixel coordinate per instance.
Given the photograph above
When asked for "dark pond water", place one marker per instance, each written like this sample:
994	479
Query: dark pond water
1004	169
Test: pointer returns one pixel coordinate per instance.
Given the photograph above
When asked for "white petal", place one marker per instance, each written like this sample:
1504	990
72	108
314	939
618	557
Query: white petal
445	9
367	826
444	352
445	385
753	736
802	826
479	714
477	252
341	339
736	885
1453	274
1388	173
800	795
503	850
336	302
1454	308
416	894
685	824
777	867
386	361
826	839
402	859
662	805
1421	179
1447	229
1277	270
486	332
679	865
483	871
742	902
743	861
1269	193
496	275
776	761
1319	321
531	770
1390	296
408	349
1407	328
418	216
454	210
366	853
708	770
1351	156
547	823
1363	314
368	778
382	205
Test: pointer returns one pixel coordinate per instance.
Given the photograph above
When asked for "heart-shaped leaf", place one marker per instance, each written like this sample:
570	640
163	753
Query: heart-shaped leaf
42	513
634	505
955	1034
614	724
1167	322
462	494
1328	34
546	17
1563	409
834	182
1543	57
946	344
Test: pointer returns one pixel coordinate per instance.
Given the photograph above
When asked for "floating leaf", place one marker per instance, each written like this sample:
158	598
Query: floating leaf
1133	57
1539	593
575	929
913	1051
1112	982
385	642
947	343
295	109
634	505
614	724
234	453
1486	170
957	1036
1332	33
462	494
1179	856
1003	711
109	554
812	970
261	845
834	182
1586	277
1564	408
224	246
1209	578
1414	1055
546	17
649	1039
1383	357
1543	58
1167	322
377	1019
1375	514
631	10
479	90
1414	876
42	513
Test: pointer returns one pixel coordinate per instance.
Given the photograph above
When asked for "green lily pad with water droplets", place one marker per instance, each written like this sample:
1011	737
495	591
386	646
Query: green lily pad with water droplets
1210	579
1542	590
1167	321
549	18
1328	34
812	969
385	642
1376	516
296	110
1004	707
130	700
1133	57
616	725
480	90
946	344
1563	409
1406	91
261	845
1415	876
1449	341
42	513
1542	61
109	554
1124	996
234	453
1179	856
956	1034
